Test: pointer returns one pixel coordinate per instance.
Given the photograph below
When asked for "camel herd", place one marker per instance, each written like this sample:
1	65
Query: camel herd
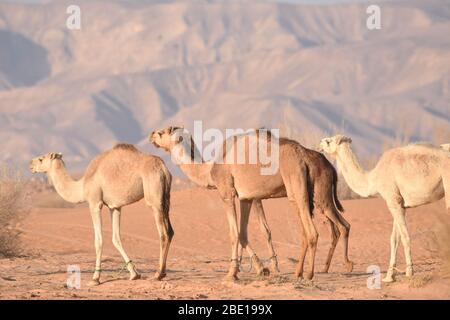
405	177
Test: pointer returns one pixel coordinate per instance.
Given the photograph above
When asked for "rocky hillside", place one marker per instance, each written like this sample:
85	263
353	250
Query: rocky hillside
140	65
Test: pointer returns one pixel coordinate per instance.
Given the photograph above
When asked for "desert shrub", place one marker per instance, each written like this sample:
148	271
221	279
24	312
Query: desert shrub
12	208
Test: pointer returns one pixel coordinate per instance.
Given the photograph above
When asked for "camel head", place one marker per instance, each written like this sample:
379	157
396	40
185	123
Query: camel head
44	163
445	146
167	138
331	145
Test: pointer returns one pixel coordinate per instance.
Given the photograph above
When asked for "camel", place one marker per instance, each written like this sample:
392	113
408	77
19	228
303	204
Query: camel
197	171
304	176
116	178
405	177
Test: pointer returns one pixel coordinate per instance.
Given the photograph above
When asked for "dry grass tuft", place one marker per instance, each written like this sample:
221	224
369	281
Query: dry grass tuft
12	209
420	281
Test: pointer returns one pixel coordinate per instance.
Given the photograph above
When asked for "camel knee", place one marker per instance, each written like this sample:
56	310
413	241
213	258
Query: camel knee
243	242
393	239
269	236
116	241
98	243
170	234
344	230
405	238
312	240
164	238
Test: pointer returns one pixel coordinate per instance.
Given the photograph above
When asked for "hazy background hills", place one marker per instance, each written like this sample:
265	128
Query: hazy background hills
140	65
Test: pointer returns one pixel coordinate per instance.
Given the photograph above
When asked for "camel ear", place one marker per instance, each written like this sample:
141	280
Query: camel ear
340	139
172	129
56	156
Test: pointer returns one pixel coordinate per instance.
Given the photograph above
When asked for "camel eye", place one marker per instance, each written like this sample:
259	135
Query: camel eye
159	133
40	159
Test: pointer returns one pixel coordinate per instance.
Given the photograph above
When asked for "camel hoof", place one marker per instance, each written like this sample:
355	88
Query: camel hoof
309	275
349	266
231	278
325	269
94	282
135	276
388	279
264	272
159	276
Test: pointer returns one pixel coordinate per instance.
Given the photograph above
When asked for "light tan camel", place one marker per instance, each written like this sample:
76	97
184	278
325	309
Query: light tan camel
197	175
304	176
405	177
116	178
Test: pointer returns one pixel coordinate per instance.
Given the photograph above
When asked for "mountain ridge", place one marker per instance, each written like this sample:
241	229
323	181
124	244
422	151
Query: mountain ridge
310	70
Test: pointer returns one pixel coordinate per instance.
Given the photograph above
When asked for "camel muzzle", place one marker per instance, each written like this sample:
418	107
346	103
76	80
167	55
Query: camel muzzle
152	140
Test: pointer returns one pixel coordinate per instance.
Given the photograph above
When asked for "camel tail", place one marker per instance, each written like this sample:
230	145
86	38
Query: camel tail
166	178
337	203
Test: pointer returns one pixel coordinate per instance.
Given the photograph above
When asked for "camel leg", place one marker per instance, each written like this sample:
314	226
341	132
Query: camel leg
96	214
404	237
154	197
312	236
245	206
115	220
335	234
395	238
166	233
343	228
303	242
302	200
230	209
264	226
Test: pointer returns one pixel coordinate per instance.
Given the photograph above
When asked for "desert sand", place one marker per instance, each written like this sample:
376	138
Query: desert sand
57	237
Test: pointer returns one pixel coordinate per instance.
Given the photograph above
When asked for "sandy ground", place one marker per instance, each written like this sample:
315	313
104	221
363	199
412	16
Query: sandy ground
57	237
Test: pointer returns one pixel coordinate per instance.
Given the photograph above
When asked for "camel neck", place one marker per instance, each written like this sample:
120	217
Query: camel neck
200	174
356	177
68	188
189	159
186	152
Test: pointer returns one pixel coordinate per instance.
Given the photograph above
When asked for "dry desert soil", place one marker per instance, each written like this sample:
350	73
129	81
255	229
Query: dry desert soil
55	238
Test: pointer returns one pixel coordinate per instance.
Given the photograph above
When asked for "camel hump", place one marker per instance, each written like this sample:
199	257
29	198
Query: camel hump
125	146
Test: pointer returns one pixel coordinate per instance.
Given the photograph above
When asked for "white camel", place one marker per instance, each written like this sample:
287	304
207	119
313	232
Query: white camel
116	178
405	177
